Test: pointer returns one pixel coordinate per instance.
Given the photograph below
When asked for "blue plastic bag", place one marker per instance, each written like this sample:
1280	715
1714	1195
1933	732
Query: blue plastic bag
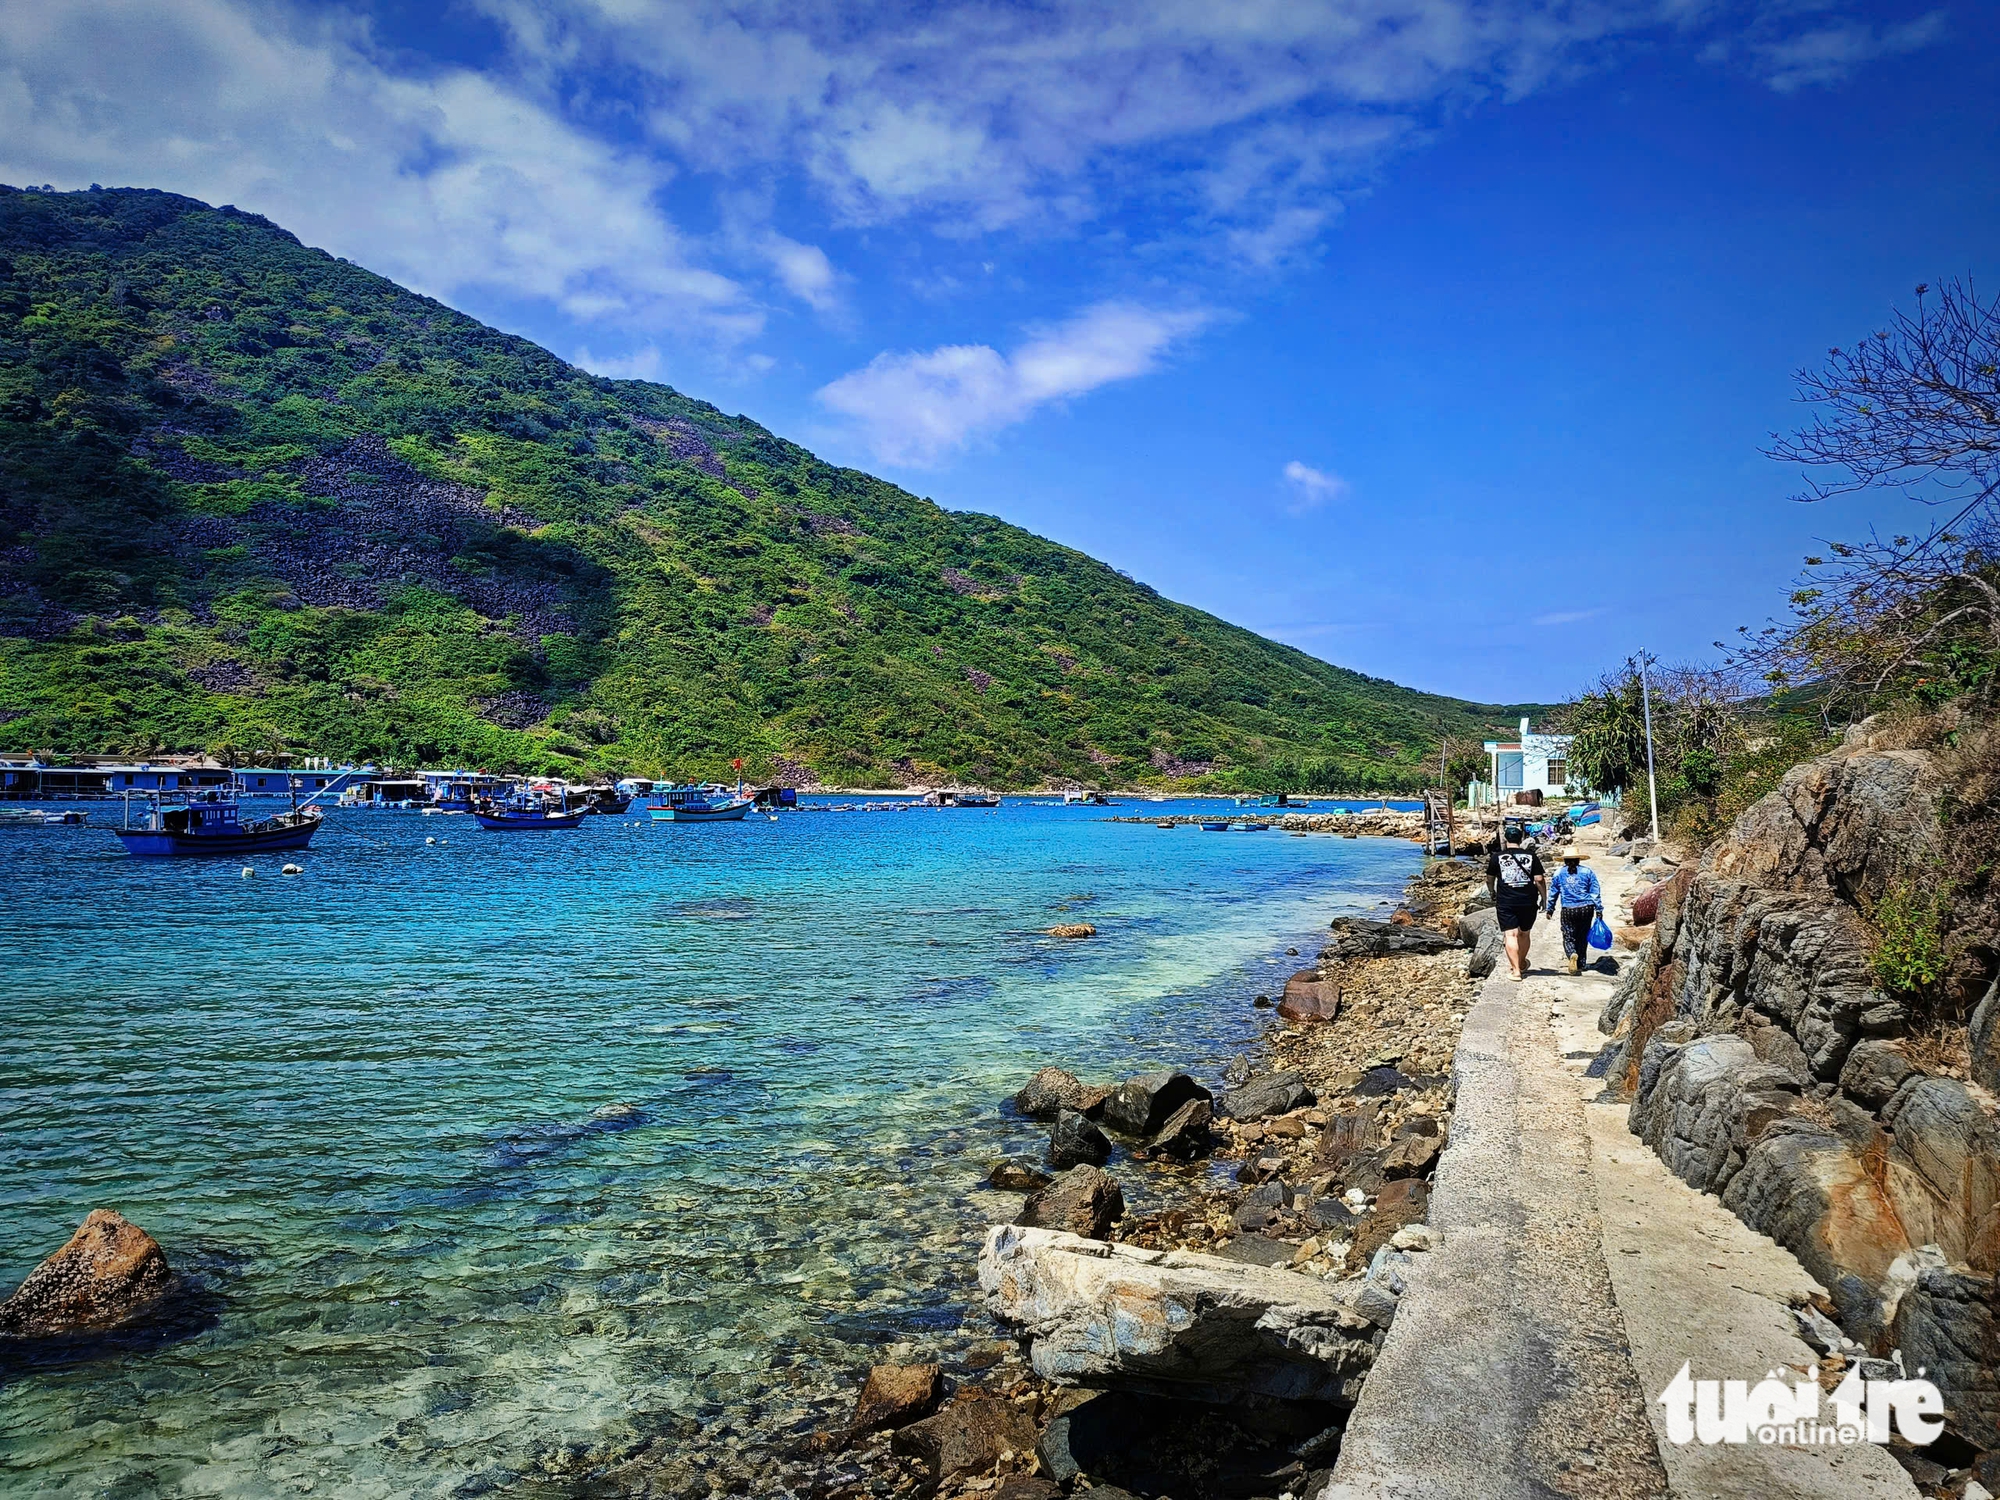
1600	934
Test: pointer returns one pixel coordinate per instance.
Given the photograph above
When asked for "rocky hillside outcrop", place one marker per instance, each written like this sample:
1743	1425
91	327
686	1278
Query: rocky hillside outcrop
1765	1064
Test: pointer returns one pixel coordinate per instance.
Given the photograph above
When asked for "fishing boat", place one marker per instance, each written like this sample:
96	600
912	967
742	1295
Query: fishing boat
698	804
209	822
1215	828
526	813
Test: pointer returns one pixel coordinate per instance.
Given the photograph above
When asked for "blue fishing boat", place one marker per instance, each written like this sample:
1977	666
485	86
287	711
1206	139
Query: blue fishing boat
210	822
526	813
1215	828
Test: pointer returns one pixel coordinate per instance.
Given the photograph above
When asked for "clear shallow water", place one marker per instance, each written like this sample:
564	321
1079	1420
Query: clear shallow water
529	1143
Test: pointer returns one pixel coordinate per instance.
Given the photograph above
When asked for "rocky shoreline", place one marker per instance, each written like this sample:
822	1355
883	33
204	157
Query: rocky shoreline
1211	1346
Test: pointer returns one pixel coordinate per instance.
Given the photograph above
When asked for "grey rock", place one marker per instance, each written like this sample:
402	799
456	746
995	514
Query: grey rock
1052	1090
1820	1332
1266	1096
1702	1105
1376	1303
1943	1168
1949	1322
1185	1135
1256	1250
1873	1072
1486	954
1983	1038
1075	1142
1239	1072
1082	1201
1197	1325
1474	924
1365	937
1140	1106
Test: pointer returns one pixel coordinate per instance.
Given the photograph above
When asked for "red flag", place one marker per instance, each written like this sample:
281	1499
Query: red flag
736	765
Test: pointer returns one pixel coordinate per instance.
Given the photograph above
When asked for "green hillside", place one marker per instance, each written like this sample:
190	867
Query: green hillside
257	499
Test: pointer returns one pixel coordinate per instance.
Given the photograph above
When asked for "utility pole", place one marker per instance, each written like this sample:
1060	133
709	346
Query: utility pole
1652	789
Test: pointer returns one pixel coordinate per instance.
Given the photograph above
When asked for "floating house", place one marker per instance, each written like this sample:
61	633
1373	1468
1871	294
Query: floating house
278	781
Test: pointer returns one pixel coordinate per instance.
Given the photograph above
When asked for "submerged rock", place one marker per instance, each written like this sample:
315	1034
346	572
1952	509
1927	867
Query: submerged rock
1111	1315
1052	1090
1017	1177
1075	1142
110	1275
1082	1201
897	1395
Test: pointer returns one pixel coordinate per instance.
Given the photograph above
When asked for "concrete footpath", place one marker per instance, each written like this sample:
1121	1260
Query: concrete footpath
1573	1277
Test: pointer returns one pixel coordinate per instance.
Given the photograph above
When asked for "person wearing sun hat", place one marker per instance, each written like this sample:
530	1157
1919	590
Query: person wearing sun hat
1576	890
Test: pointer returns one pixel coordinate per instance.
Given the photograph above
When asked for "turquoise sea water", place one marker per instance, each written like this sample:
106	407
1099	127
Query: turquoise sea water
496	1154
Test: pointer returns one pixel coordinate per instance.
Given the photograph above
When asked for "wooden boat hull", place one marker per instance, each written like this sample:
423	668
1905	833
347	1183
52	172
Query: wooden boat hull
154	844
527	822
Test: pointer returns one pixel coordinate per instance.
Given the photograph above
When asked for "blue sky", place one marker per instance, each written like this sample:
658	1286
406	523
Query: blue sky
1437	338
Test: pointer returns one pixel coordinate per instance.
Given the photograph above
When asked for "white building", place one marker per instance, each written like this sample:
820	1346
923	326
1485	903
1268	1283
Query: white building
1534	762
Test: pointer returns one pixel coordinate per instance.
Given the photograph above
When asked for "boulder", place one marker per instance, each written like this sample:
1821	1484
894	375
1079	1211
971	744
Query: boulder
1365	937
1941	1169
1197	1325
1072	930
897	1395
1018	1177
1476	924
110	1275
1983	1039
1486	953
1309	998
1052	1090
1263	1097
1379	1082
1185	1134
1140	1106
1949	1322
967	1437
1872	1073
1082	1201
1853	824
1646	906
1075	1142
1702	1105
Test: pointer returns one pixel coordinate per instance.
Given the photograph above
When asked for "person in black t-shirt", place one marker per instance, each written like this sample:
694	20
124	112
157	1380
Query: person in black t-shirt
1518	884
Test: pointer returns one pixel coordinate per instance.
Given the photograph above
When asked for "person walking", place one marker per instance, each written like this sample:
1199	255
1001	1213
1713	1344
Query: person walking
1582	899
1517	882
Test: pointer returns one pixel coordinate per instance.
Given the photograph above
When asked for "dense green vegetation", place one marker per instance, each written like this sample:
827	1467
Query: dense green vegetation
256	499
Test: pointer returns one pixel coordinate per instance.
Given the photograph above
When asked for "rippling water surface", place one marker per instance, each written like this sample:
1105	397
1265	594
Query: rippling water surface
519	1144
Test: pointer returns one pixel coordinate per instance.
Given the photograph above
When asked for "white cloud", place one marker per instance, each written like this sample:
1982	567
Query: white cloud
1828	54
641	364
914	408
1312	488
450	182
1567	617
805	272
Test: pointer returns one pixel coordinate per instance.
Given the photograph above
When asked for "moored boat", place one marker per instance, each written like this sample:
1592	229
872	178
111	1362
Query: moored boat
210	822
503	819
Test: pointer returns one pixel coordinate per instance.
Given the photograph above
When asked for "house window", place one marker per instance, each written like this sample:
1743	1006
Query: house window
1558	773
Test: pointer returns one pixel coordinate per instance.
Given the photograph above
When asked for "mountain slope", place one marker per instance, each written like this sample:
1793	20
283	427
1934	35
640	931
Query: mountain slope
255	498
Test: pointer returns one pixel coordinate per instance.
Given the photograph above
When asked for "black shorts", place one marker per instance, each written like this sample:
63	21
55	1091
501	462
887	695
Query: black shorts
1515	915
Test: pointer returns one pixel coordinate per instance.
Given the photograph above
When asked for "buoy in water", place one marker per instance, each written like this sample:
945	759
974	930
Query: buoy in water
248	872
430	841
292	870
